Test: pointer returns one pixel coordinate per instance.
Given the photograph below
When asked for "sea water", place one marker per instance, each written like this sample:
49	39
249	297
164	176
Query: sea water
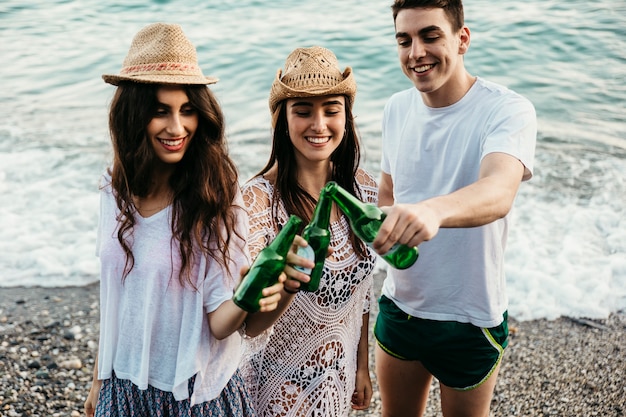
566	251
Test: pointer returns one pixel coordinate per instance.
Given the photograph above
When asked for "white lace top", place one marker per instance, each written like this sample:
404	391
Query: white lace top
306	364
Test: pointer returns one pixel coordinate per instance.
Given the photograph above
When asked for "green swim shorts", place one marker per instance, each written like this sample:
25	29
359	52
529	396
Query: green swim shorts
460	355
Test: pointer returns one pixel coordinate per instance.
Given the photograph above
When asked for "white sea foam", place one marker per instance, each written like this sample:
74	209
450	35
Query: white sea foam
566	252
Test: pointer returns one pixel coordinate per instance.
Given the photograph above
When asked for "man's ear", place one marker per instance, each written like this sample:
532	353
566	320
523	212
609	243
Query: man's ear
464	40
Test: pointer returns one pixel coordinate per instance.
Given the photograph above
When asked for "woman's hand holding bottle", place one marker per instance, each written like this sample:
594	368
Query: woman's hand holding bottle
297	267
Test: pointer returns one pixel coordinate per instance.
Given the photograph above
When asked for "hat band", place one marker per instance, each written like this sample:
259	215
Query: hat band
163	67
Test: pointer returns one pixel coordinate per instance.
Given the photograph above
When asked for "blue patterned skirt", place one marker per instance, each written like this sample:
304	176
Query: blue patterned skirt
122	398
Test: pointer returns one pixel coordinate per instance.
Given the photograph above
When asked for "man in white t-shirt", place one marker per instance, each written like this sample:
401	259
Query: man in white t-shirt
454	151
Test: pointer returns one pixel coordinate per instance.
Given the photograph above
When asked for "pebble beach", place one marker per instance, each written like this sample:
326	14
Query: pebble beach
564	367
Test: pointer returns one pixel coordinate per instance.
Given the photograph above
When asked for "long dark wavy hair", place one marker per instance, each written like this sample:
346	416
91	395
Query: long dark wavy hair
345	162
204	182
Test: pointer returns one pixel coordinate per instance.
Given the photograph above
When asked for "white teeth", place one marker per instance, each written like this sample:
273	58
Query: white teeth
423	68
317	140
171	142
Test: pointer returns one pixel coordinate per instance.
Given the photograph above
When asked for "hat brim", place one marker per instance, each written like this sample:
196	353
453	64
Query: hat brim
160	79
280	91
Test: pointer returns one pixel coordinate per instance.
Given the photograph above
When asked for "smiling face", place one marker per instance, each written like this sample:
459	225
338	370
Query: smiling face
431	54
173	126
316	126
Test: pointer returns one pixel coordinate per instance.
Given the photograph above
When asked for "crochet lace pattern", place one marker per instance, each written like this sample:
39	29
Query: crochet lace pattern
306	364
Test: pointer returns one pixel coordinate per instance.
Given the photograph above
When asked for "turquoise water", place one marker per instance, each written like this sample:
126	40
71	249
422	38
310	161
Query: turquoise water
567	251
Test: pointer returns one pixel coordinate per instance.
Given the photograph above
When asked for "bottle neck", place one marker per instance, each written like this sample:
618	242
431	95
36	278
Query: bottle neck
284	239
348	203
322	211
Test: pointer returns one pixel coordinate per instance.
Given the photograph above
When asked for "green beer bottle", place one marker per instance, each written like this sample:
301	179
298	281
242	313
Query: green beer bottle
317	235
365	220
266	268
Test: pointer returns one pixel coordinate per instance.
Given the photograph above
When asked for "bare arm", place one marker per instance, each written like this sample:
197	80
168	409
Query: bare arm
385	190
229	317
486	200
92	397
362	395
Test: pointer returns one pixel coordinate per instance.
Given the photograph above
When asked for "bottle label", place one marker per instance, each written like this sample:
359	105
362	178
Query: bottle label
308	253
389	252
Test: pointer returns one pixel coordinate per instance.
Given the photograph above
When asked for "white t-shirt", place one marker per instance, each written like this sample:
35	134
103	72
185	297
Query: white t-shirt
428	152
153	331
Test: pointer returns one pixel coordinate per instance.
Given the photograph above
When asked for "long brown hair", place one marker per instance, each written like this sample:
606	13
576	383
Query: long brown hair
204	182
345	162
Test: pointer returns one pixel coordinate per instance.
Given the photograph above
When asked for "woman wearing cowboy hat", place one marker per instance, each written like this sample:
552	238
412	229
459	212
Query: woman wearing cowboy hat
315	360
172	242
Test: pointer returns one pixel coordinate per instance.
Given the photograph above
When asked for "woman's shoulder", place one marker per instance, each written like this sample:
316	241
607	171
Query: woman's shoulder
105	181
257	193
259	186
368	185
365	180
257	182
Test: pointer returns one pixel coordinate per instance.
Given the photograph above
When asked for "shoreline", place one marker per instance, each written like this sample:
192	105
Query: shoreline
563	367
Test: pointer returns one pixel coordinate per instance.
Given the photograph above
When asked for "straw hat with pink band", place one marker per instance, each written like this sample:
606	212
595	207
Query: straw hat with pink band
161	54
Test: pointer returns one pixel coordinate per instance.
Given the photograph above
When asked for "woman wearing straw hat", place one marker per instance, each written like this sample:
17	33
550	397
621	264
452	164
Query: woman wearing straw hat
172	241
315	360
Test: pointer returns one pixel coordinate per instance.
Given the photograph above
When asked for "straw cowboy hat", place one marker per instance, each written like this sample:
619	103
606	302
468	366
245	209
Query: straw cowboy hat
161	54
311	72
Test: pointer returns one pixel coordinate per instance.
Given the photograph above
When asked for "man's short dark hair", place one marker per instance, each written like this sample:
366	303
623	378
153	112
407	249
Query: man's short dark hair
452	8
